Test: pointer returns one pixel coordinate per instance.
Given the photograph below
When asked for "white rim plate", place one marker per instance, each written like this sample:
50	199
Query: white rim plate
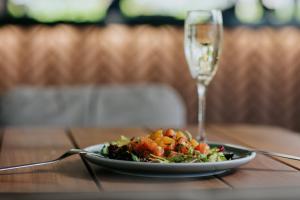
171	169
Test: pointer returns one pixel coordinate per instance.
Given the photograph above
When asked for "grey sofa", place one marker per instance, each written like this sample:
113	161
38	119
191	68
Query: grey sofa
105	106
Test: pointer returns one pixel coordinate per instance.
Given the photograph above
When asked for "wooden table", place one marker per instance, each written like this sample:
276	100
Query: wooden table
23	145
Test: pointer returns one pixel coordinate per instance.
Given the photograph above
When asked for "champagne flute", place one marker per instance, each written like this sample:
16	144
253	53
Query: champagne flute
203	32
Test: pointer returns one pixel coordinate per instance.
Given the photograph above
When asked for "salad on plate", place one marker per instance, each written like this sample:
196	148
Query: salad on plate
164	146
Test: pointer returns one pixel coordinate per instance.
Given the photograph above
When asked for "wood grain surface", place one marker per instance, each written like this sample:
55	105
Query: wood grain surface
73	175
265	137
33	145
263	171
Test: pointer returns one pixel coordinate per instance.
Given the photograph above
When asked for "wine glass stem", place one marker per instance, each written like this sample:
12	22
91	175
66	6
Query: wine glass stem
201	111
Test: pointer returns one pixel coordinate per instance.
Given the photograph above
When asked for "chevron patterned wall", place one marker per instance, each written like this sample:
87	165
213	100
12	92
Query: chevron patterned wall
258	79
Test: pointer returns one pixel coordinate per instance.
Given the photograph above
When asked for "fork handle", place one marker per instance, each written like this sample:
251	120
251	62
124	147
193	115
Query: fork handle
27	165
282	155
269	153
65	155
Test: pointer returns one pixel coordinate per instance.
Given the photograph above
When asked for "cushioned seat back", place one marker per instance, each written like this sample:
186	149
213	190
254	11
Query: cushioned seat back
109	106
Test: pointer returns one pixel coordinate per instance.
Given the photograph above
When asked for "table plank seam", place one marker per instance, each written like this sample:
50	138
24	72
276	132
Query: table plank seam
245	144
224	181
283	162
86	164
1	138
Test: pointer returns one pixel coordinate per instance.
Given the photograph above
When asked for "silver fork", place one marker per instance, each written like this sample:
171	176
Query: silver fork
63	156
269	153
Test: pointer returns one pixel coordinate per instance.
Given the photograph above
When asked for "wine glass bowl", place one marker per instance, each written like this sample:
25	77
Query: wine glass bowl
202	42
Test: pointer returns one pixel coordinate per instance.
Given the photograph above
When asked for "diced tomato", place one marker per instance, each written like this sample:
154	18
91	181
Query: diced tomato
182	149
170	133
202	148
148	145
169	147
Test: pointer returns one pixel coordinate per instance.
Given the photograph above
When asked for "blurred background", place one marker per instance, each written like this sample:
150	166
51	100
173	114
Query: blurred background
121	63
155	12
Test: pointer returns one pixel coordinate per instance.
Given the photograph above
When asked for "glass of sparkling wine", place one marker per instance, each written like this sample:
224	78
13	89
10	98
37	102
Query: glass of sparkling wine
202	41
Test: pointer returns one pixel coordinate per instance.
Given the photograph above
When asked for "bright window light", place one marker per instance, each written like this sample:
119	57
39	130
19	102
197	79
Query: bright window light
298	10
60	10
277	4
173	8
283	10
249	11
